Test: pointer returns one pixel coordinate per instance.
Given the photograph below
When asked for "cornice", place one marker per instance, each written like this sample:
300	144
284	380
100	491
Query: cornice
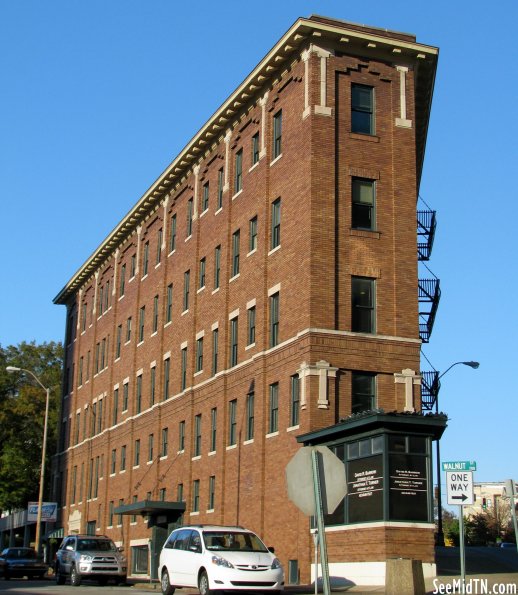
339	35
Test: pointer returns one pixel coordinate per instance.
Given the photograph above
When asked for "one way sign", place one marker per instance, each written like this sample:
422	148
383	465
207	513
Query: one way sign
459	486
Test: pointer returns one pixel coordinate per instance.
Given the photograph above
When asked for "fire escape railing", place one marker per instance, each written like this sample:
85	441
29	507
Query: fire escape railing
430	386
426	224
429	296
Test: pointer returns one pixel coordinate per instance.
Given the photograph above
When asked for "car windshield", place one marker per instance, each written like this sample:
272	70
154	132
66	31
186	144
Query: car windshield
95	545
233	541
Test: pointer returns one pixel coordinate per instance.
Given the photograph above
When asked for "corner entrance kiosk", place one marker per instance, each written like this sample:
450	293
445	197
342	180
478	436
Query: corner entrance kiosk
388	510
162	518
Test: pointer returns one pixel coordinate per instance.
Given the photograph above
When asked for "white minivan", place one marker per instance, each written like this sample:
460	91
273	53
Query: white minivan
214	558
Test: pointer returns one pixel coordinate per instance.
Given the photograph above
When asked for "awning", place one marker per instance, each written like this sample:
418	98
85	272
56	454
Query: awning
56	534
150	507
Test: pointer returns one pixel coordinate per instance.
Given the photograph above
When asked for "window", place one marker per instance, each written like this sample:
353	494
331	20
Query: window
232	422
212	491
169	304
155	314
215	342
252	227
111	506
197	435
184	369
152	386
202	273
362	109
128	330
221	181
363	203
179	492
125	395
273	421
122	282
113	465
196	495
159	247
150	447
217	266
115	412
205	197
199	354
363	392
186	282
233	341
145	259
161	494
277	135
172	239
167	373
251	326
238	173
181	436
133	265
138	404
250	397
118	341
83	317
141	319
274	319
235	252
255	148
295	400
363	305
80	372
119	517
165	443
189	216
123	458
136	454
213	428
276	224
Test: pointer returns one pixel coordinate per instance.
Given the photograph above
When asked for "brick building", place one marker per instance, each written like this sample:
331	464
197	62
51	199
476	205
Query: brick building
263	288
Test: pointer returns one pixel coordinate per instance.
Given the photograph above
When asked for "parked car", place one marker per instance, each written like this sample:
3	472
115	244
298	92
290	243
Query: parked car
508	545
212	558
21	561
89	557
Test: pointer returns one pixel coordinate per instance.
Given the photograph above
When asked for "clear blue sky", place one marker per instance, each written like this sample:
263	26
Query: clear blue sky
98	97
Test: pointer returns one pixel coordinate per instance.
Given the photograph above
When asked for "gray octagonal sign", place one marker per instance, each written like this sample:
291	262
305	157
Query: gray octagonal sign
299	480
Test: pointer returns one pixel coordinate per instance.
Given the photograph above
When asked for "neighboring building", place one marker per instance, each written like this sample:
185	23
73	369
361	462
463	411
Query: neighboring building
265	287
489	498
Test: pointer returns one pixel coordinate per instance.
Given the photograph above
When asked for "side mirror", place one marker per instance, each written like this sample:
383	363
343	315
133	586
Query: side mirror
120	548
69	548
271	550
195	548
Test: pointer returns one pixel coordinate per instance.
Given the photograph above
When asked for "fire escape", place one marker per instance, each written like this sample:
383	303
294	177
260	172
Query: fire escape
429	294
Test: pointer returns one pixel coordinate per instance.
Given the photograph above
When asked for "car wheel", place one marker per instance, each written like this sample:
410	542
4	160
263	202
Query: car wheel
120	580
7	576
203	584
167	588
75	577
59	576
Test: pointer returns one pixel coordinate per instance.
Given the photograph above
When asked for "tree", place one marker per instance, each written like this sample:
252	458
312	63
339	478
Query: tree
450	524
22	412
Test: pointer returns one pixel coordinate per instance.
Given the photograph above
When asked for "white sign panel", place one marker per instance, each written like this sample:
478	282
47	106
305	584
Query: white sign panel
459	485
49	512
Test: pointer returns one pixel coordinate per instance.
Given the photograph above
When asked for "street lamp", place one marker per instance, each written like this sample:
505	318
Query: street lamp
440	532
43	449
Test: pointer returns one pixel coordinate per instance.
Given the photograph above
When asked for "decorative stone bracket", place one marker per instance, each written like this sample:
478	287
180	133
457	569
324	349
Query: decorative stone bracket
323	370
322	108
409	378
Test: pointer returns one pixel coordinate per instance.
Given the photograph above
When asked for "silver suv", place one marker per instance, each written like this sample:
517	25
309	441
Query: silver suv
89	557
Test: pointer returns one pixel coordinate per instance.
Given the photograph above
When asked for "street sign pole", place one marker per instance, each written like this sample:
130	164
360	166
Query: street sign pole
462	547
510	487
319	513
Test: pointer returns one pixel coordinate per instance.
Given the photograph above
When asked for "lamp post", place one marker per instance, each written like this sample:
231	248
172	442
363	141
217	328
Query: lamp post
43	450
440	532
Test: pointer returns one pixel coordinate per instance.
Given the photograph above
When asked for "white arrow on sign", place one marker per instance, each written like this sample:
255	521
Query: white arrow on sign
459	485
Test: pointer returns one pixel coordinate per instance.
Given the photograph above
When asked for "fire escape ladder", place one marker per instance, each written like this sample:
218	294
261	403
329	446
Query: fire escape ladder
429	297
426	223
430	386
